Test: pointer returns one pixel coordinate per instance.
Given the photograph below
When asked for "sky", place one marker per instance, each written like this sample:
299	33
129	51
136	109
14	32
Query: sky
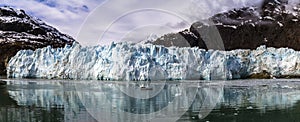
99	22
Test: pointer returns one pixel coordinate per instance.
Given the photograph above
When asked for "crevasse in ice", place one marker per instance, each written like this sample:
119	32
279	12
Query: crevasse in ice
125	61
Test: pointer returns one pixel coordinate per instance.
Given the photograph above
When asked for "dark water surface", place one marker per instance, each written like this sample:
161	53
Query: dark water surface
28	100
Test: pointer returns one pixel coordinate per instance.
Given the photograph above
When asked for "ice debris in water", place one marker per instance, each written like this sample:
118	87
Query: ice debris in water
125	61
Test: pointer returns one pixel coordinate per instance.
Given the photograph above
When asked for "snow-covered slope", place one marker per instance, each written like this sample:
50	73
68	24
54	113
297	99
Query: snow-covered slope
151	38
18	31
124	61
16	26
273	23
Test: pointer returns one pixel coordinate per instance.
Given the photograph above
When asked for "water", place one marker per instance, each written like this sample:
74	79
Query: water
27	100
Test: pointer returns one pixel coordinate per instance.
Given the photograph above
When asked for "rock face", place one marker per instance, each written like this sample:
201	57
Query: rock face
20	31
274	24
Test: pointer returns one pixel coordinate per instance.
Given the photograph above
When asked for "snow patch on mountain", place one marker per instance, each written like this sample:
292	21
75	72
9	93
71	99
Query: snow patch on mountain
150	39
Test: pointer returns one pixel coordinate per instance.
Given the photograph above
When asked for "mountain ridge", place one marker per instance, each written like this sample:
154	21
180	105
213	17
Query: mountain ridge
271	24
19	31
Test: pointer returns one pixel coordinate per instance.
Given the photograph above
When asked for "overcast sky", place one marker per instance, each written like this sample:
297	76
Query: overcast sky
94	22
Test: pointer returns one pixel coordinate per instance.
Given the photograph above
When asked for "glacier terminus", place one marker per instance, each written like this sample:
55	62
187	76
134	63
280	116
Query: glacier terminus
137	62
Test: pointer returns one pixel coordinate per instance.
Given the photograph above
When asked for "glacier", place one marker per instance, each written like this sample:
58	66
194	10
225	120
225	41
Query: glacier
140	62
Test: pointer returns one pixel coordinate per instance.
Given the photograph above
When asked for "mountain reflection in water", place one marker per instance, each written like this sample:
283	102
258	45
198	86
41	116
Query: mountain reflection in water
61	100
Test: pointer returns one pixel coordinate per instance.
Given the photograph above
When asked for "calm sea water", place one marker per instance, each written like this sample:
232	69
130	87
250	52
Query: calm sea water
27	100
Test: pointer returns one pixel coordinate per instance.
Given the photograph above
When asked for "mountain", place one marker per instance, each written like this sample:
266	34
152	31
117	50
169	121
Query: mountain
274	24
19	31
149	39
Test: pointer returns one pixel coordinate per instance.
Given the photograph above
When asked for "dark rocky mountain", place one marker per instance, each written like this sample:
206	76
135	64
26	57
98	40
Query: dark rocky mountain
20	31
273	24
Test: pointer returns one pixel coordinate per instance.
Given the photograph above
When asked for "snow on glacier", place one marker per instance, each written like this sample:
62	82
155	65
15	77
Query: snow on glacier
123	61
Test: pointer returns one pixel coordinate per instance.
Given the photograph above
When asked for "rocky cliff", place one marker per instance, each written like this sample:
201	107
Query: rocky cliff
20	31
274	24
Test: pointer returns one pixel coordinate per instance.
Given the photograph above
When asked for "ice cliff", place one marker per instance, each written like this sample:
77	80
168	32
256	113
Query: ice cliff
125	61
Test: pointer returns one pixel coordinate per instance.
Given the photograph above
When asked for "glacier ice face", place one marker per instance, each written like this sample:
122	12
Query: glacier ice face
125	61
115	62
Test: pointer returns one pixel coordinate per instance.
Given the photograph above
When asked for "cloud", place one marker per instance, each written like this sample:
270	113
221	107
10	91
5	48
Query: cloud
121	17
201	9
114	20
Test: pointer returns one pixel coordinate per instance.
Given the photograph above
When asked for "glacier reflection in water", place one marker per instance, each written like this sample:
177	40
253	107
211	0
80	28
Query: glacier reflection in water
106	101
